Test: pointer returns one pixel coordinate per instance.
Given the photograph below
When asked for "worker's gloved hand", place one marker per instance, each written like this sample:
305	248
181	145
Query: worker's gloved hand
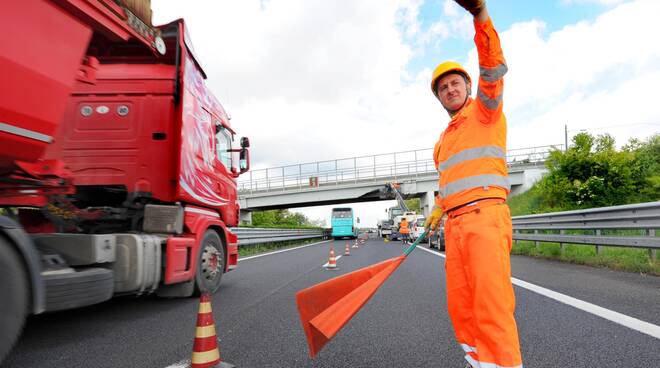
434	218
473	6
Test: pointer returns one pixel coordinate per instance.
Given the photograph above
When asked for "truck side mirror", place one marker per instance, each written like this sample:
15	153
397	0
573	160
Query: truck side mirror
244	158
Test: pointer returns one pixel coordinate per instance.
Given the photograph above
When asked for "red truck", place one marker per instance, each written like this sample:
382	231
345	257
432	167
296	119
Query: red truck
117	164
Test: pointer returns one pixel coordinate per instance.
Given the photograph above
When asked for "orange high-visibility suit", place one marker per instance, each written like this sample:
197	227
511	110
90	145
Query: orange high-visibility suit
471	160
403	227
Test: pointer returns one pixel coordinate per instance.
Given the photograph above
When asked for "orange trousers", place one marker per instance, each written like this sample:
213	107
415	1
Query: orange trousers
480	296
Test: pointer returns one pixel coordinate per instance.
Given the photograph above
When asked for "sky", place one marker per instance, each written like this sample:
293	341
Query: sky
315	80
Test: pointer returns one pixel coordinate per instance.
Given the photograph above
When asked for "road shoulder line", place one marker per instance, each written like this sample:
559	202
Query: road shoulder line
616	317
280	251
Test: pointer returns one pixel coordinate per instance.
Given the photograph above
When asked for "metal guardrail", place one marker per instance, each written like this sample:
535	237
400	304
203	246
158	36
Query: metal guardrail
642	216
397	165
251	236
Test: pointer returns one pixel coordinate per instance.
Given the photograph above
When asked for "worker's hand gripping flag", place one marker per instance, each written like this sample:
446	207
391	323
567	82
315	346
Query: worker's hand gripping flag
326	307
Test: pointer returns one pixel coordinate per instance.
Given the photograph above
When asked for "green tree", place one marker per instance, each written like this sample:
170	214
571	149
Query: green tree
414	204
592	173
280	218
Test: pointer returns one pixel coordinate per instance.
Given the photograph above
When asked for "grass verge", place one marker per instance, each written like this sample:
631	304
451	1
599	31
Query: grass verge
631	260
254	249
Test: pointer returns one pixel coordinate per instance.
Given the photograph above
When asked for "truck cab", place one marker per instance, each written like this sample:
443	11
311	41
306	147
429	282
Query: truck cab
118	164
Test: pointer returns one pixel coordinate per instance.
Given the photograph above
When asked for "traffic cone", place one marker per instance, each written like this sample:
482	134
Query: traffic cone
332	262
355	245
347	250
206	353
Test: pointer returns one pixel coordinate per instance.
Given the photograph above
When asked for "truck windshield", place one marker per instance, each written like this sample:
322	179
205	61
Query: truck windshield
342	214
223	143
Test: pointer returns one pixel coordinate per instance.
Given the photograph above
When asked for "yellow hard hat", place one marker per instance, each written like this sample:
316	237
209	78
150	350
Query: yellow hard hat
446	67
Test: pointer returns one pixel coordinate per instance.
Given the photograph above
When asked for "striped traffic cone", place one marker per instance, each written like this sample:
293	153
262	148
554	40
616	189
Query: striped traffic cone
206	353
355	245
332	262
347	250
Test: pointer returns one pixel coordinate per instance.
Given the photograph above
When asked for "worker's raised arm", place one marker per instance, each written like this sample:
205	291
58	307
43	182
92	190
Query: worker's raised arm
492	65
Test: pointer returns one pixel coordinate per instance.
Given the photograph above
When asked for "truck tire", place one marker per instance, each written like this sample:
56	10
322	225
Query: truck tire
14	291
210	263
78	289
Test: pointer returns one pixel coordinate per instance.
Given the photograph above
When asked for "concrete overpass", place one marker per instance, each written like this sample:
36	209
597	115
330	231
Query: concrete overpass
361	179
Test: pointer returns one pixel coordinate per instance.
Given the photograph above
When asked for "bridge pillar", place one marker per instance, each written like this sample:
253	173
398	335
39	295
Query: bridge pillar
246	217
427	201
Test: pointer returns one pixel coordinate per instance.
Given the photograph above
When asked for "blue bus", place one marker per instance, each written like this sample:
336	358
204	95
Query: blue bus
343	224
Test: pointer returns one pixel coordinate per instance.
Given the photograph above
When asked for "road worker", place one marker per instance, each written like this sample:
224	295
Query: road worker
404	230
471	160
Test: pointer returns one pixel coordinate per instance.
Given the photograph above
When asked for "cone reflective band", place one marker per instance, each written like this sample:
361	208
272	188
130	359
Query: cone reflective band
332	262
205	348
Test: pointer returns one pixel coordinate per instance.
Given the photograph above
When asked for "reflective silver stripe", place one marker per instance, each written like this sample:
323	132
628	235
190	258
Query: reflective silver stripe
25	133
491	103
479	364
493	74
469	349
472	154
486	180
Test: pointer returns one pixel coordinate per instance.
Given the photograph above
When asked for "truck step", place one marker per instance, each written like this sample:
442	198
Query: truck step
78	289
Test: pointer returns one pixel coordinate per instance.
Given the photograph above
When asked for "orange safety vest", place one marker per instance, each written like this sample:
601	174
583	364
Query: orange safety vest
403	227
470	155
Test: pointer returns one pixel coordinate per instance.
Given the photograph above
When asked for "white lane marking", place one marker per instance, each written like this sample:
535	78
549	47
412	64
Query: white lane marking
616	317
326	264
610	315
181	364
280	251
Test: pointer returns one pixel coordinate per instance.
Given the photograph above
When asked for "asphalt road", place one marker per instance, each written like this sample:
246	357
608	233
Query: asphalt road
405	324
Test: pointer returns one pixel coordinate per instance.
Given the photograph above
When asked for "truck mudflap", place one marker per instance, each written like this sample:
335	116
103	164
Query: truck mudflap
232	251
179	259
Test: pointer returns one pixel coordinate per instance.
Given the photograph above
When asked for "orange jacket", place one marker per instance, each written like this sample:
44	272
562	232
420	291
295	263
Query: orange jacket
470	155
403	227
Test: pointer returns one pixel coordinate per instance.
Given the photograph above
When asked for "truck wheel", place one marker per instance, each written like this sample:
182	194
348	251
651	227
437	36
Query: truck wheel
14	293
78	289
210	263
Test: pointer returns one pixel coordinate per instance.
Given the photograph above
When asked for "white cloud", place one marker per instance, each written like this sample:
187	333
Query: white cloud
587	75
312	80
451	9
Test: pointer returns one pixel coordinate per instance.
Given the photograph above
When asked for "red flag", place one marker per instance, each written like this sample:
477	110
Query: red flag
326	307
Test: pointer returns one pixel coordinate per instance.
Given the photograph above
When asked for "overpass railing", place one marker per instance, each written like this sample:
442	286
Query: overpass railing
631	225
252	236
354	170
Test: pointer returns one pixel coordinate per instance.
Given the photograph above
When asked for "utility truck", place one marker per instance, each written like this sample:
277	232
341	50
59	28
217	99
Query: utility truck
117	163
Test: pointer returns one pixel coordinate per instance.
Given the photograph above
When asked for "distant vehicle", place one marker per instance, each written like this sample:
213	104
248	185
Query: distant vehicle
384	228
436	239
396	222
417	228
343	224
